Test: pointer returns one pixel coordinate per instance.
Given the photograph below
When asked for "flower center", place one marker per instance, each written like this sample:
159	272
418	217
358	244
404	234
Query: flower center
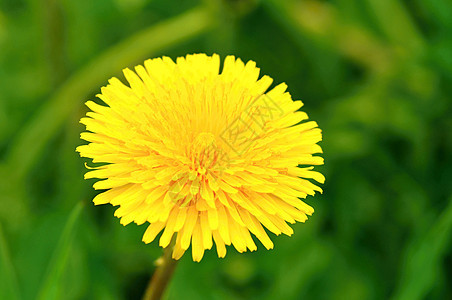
204	152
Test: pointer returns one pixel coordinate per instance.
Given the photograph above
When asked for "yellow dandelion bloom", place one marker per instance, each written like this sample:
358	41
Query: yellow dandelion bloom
204	155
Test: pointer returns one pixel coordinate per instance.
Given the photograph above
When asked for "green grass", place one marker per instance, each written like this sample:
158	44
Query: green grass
375	74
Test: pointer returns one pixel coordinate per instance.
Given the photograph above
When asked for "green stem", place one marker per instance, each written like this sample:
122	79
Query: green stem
162	275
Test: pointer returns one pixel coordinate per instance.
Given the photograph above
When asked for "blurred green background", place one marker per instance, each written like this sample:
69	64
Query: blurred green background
375	74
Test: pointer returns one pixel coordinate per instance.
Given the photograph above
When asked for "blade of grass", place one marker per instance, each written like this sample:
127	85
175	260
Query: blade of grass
320	25
8	276
31	140
54	27
423	259
297	276
322	58
439	11
397	24
51	282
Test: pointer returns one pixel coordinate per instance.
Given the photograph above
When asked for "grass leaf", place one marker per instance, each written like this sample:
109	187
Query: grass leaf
423	259
9	287
51	283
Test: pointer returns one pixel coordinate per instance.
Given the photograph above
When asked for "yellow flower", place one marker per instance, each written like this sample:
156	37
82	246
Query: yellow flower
201	154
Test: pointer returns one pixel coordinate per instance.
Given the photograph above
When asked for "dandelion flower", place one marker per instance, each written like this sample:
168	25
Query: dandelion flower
202	155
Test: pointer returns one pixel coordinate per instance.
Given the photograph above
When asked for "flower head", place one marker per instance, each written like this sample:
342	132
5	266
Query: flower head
202	155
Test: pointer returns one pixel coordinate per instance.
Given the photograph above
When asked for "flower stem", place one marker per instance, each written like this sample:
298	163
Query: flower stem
162	275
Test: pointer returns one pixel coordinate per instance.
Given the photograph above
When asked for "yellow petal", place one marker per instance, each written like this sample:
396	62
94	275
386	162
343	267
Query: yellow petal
206	231
192	217
223	226
213	218
165	239
178	251
197	243
221	248
152	231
